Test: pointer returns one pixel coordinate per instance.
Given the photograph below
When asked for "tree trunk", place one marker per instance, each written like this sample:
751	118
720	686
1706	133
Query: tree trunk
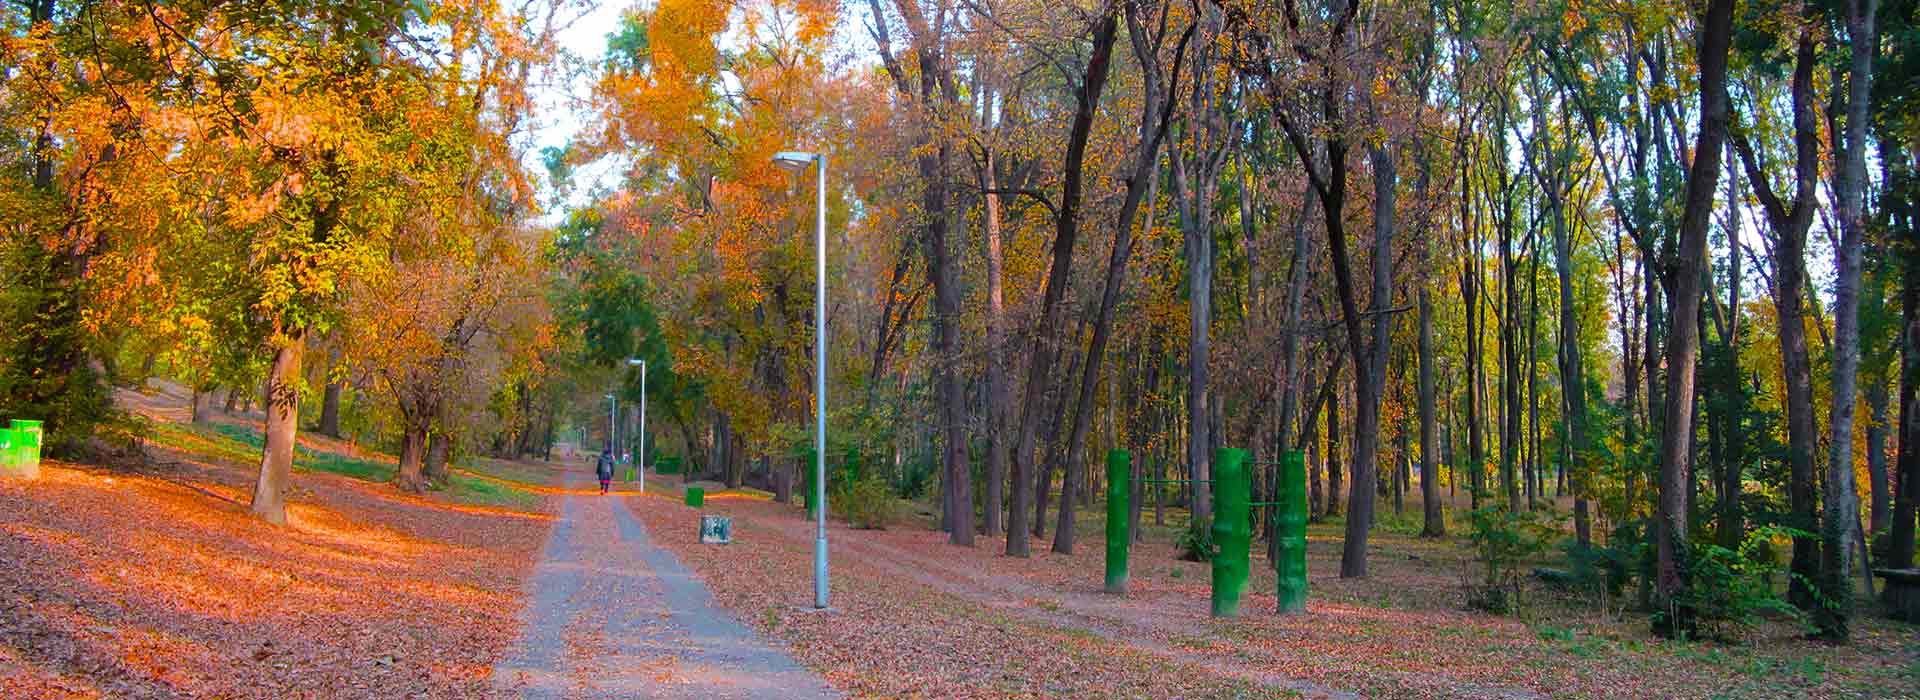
1470	279
1572	380
413	449
735	468
1199	254
946	294
1510	377
999	400
1055	448
1906	495
1683	341
1292	372
1316	493
1146	156
1398	486
1336	486
1879	485
942	266
1789	225
437	470
202	406
1324	398
330	400
1433	523
1046	340
1370	383
283	417
330	411
1842	500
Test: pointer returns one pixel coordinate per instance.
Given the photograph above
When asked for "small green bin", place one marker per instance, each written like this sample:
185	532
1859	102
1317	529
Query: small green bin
696	497
32	435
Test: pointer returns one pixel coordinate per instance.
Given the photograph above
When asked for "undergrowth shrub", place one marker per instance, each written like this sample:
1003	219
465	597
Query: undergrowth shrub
867	503
1600	569
1196	544
1503	542
48	362
1732	590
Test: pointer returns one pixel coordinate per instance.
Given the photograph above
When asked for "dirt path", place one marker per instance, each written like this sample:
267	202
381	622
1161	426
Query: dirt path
610	614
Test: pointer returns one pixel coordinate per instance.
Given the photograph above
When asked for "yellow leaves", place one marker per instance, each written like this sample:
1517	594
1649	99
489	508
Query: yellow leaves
682	33
284	122
1574	20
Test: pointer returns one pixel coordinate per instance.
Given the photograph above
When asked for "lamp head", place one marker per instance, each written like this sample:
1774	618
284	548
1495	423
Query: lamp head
794	161
636	362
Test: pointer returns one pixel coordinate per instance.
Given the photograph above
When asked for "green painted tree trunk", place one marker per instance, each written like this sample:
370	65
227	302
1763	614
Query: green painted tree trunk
1119	536
1231	532
1291	566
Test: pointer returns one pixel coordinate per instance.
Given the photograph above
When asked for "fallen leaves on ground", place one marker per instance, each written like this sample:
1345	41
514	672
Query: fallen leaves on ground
916	617
158	586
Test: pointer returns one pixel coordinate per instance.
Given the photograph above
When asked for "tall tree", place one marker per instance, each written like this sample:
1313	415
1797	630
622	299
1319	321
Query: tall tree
1554	181
1716	36
1047	337
1197	165
1787	225
1842	501
1148	34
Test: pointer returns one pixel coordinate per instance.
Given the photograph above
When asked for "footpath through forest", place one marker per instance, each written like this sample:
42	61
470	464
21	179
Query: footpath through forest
609	614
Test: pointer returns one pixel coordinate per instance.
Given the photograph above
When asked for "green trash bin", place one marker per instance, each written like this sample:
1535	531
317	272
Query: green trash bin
32	433
696	497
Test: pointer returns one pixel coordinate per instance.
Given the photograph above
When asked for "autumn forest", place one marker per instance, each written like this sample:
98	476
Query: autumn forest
1595	325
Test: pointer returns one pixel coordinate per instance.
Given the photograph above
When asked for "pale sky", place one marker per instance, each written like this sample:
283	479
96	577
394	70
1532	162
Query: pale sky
562	109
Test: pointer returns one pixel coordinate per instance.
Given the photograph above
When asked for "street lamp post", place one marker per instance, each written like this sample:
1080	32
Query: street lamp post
796	162
613	425
640	463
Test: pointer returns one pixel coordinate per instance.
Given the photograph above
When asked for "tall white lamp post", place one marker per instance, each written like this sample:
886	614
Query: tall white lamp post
640	463
613	425
797	162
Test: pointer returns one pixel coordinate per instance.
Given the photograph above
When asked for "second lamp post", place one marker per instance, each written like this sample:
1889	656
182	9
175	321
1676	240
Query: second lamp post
796	162
640	462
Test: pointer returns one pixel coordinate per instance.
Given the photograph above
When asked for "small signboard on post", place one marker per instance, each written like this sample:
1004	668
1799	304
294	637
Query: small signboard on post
716	529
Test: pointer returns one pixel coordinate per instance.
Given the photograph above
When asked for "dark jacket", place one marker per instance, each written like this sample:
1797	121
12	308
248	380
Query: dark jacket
604	467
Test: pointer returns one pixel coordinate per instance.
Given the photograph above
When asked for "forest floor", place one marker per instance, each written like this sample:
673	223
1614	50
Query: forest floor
154	582
916	617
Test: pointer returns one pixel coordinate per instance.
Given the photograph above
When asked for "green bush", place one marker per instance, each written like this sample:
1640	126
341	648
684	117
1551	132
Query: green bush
1729	589
1196	544
866	503
48	369
1503	542
1595	568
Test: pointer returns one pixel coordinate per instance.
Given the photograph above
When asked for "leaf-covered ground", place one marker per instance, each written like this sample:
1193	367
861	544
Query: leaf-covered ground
158	584
916	617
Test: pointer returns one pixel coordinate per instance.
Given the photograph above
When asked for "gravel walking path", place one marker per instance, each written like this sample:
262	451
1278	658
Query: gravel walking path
610	615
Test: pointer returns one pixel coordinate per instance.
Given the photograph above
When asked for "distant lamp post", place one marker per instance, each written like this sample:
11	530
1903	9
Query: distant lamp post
613	425
640	463
796	162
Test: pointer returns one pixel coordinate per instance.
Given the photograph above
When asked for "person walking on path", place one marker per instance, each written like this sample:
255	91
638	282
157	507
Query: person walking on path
603	468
